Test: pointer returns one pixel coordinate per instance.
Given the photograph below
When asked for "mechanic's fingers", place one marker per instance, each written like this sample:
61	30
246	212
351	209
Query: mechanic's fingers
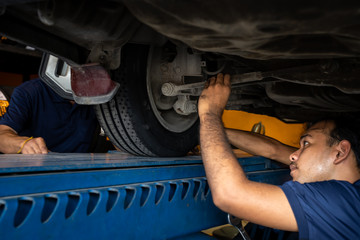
227	81
28	150
44	150
207	83
220	78
42	145
34	150
212	81
35	146
37	149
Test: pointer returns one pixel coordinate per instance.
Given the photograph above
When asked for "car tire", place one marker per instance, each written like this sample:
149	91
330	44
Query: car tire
129	120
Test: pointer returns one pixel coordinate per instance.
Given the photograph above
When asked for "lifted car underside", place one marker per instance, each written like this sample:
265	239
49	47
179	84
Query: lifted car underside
239	36
307	53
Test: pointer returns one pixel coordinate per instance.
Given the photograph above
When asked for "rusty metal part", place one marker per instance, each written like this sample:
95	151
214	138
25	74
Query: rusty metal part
326	74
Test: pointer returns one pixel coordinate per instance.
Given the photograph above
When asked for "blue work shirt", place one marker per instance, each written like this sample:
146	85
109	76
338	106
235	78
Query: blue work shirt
36	110
325	210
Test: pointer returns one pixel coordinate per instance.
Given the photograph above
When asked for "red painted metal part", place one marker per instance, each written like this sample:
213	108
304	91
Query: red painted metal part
91	80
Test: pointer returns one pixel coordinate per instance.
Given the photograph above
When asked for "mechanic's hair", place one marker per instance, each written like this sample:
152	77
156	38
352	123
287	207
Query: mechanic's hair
347	127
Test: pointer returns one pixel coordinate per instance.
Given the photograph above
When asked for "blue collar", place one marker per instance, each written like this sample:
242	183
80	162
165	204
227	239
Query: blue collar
357	182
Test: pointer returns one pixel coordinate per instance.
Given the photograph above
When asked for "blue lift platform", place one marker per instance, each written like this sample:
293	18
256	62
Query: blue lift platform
113	196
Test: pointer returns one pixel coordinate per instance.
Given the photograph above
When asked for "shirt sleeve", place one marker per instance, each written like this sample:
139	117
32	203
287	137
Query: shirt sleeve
18	113
290	189
325	210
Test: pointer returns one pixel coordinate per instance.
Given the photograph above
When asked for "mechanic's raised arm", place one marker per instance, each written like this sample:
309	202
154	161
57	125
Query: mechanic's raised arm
232	192
260	145
11	142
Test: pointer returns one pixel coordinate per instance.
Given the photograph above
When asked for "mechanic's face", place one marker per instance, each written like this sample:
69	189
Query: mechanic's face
314	160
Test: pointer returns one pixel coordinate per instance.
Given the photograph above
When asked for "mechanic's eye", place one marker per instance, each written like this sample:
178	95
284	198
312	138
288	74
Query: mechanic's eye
306	143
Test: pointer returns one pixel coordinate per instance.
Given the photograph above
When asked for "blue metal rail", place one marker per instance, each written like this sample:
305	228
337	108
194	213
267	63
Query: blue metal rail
112	196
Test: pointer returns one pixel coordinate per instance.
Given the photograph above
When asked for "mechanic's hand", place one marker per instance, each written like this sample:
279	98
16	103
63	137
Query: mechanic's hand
35	146
215	95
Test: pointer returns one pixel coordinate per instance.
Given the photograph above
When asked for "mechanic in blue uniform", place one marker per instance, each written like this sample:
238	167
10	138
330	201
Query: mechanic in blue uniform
38	121
322	201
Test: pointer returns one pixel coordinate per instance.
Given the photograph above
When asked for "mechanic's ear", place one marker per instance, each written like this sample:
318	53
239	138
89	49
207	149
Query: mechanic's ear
343	149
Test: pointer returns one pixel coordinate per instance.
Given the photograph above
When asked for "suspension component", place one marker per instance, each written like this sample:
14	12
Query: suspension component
194	89
185	106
